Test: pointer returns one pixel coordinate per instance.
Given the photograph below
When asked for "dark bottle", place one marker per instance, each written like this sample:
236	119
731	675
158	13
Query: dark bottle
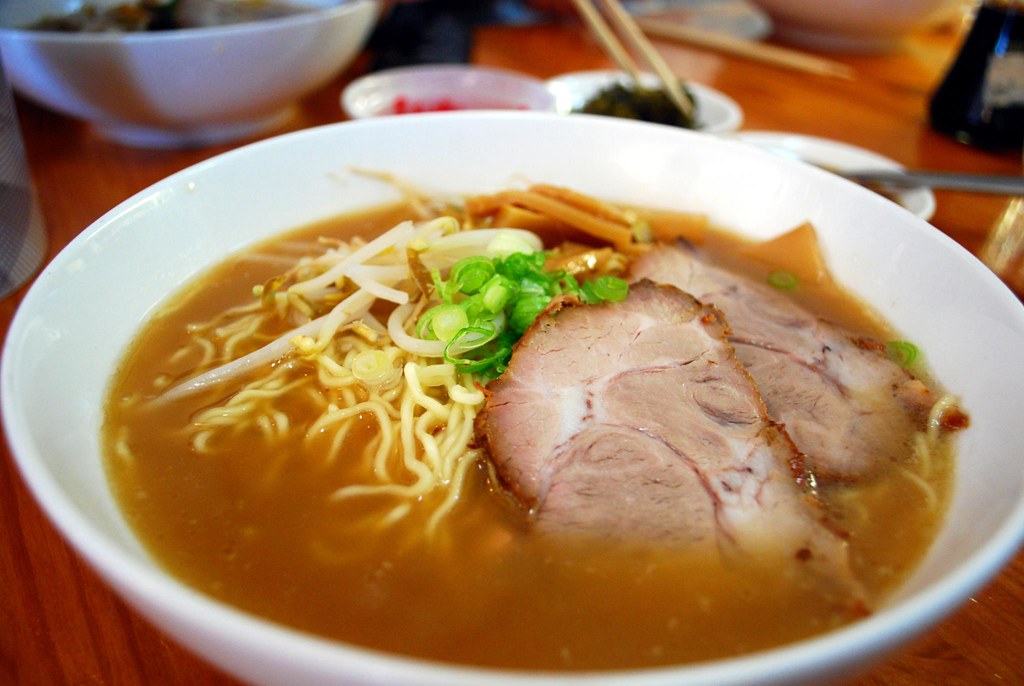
981	99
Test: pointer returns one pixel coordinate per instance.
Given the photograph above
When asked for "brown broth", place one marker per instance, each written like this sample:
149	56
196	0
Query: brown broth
254	527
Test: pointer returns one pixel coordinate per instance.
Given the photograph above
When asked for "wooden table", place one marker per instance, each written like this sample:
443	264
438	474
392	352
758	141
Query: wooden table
60	625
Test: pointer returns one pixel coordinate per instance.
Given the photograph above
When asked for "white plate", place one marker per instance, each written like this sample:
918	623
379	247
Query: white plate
831	154
716	112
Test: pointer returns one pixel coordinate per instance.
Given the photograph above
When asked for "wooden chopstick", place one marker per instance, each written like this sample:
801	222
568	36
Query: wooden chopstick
636	36
629	28
607	38
752	50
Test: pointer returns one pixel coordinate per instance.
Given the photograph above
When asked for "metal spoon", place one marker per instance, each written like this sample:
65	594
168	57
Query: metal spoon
977	183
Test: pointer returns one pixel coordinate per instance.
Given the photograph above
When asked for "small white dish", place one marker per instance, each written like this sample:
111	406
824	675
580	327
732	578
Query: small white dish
837	156
432	88
716	112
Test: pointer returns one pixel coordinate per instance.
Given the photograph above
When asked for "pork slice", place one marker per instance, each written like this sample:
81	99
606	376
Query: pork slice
845	404
635	421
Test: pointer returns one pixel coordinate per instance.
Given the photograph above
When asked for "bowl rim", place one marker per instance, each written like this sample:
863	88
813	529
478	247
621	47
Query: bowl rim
889	625
314	15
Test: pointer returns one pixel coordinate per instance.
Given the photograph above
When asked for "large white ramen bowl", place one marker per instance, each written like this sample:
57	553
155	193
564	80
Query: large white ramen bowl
68	336
184	87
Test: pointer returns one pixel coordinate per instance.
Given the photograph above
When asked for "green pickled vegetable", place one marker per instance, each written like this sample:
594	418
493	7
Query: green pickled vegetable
639	102
903	353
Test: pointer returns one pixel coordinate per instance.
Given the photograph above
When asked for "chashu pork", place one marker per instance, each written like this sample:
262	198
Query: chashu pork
845	404
635	421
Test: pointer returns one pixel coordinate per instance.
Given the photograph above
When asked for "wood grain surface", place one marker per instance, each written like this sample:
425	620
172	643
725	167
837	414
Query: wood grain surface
60	625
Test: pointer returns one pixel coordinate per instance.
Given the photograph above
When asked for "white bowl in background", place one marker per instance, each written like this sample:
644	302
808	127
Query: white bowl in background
183	87
716	111
854	25
841	157
66	339
425	88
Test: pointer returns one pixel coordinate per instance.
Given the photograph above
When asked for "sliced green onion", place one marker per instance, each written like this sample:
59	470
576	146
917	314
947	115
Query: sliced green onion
903	353
487	304
605	289
531	285
478	349
448	320
441	287
525	310
470	338
496	293
783	280
520	264
424	329
474	308
564	282
469	274
491	365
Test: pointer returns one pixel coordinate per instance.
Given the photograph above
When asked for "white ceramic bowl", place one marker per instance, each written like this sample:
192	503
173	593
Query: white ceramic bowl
854	25
443	87
67	337
716	111
185	87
